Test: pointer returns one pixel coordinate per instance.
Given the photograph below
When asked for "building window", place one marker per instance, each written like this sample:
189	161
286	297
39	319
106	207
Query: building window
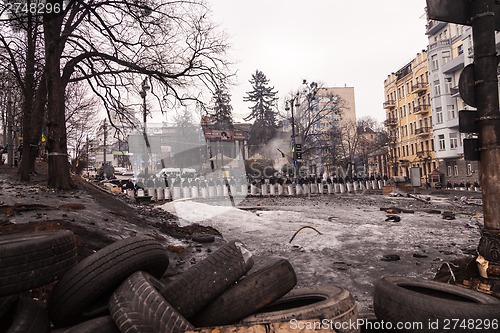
449	171
451	112
469	169
453	141
435	63
439	115
446	57
437	88
442	144
460	49
412	149
411	128
448	85
455	168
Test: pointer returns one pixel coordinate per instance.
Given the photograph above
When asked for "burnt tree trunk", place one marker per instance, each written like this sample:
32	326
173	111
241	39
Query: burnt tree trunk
58	173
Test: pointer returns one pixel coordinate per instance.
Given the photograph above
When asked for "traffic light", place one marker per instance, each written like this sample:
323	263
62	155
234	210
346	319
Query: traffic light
467	124
299	155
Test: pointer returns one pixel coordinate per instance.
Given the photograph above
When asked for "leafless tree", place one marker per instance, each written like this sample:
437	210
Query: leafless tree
112	45
21	43
316	118
81	117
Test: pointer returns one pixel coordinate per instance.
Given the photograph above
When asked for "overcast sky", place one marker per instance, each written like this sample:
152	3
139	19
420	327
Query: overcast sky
336	42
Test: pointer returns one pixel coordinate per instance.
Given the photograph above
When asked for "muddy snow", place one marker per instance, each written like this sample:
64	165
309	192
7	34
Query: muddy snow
346	236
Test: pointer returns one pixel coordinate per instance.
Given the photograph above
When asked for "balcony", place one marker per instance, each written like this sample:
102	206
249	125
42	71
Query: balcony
455	92
422	131
433	26
424	154
419	87
389	104
390	122
421	109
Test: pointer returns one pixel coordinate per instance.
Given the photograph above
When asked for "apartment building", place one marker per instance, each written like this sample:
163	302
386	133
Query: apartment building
450	50
409	119
315	116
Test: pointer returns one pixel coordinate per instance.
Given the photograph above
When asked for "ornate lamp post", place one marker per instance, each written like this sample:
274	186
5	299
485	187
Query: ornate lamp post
144	88
291	102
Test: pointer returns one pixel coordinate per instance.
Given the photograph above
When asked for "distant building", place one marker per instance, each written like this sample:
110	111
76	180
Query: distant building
409	119
320	160
450	50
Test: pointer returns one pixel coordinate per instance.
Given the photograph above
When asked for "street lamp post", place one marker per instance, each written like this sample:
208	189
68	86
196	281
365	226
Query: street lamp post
291	103
144	88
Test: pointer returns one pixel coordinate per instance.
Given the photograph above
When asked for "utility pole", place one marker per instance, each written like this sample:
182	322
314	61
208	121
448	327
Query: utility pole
293	139
480	89
105	129
488	119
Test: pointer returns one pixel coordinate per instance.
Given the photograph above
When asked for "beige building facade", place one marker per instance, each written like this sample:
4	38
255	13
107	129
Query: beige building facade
409	119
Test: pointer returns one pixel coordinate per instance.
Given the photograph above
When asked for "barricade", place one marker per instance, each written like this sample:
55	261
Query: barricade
280	189
186	192
329	188
233	189
291	189
160	193
212	191
194	191
244	189
152	193
176	193
263	189
253	189
312	188
305	189
168	194
272	189
204	192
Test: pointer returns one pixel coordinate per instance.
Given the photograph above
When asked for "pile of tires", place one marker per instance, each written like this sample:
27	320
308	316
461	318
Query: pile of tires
119	289
404	304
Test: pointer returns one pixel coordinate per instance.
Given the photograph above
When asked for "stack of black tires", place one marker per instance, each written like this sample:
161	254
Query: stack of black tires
119	289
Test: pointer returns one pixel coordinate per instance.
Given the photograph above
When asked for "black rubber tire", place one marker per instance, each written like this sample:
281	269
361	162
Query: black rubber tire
6	304
104	324
138	307
201	283
29	317
248	295
328	302
32	260
403	299
100	273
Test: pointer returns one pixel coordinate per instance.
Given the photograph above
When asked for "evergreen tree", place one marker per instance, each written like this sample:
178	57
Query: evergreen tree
264	99
222	109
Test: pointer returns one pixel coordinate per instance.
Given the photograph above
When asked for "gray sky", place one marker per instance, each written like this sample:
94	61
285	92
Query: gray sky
338	43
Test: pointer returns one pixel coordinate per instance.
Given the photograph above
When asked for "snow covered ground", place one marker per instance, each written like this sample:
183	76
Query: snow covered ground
354	235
